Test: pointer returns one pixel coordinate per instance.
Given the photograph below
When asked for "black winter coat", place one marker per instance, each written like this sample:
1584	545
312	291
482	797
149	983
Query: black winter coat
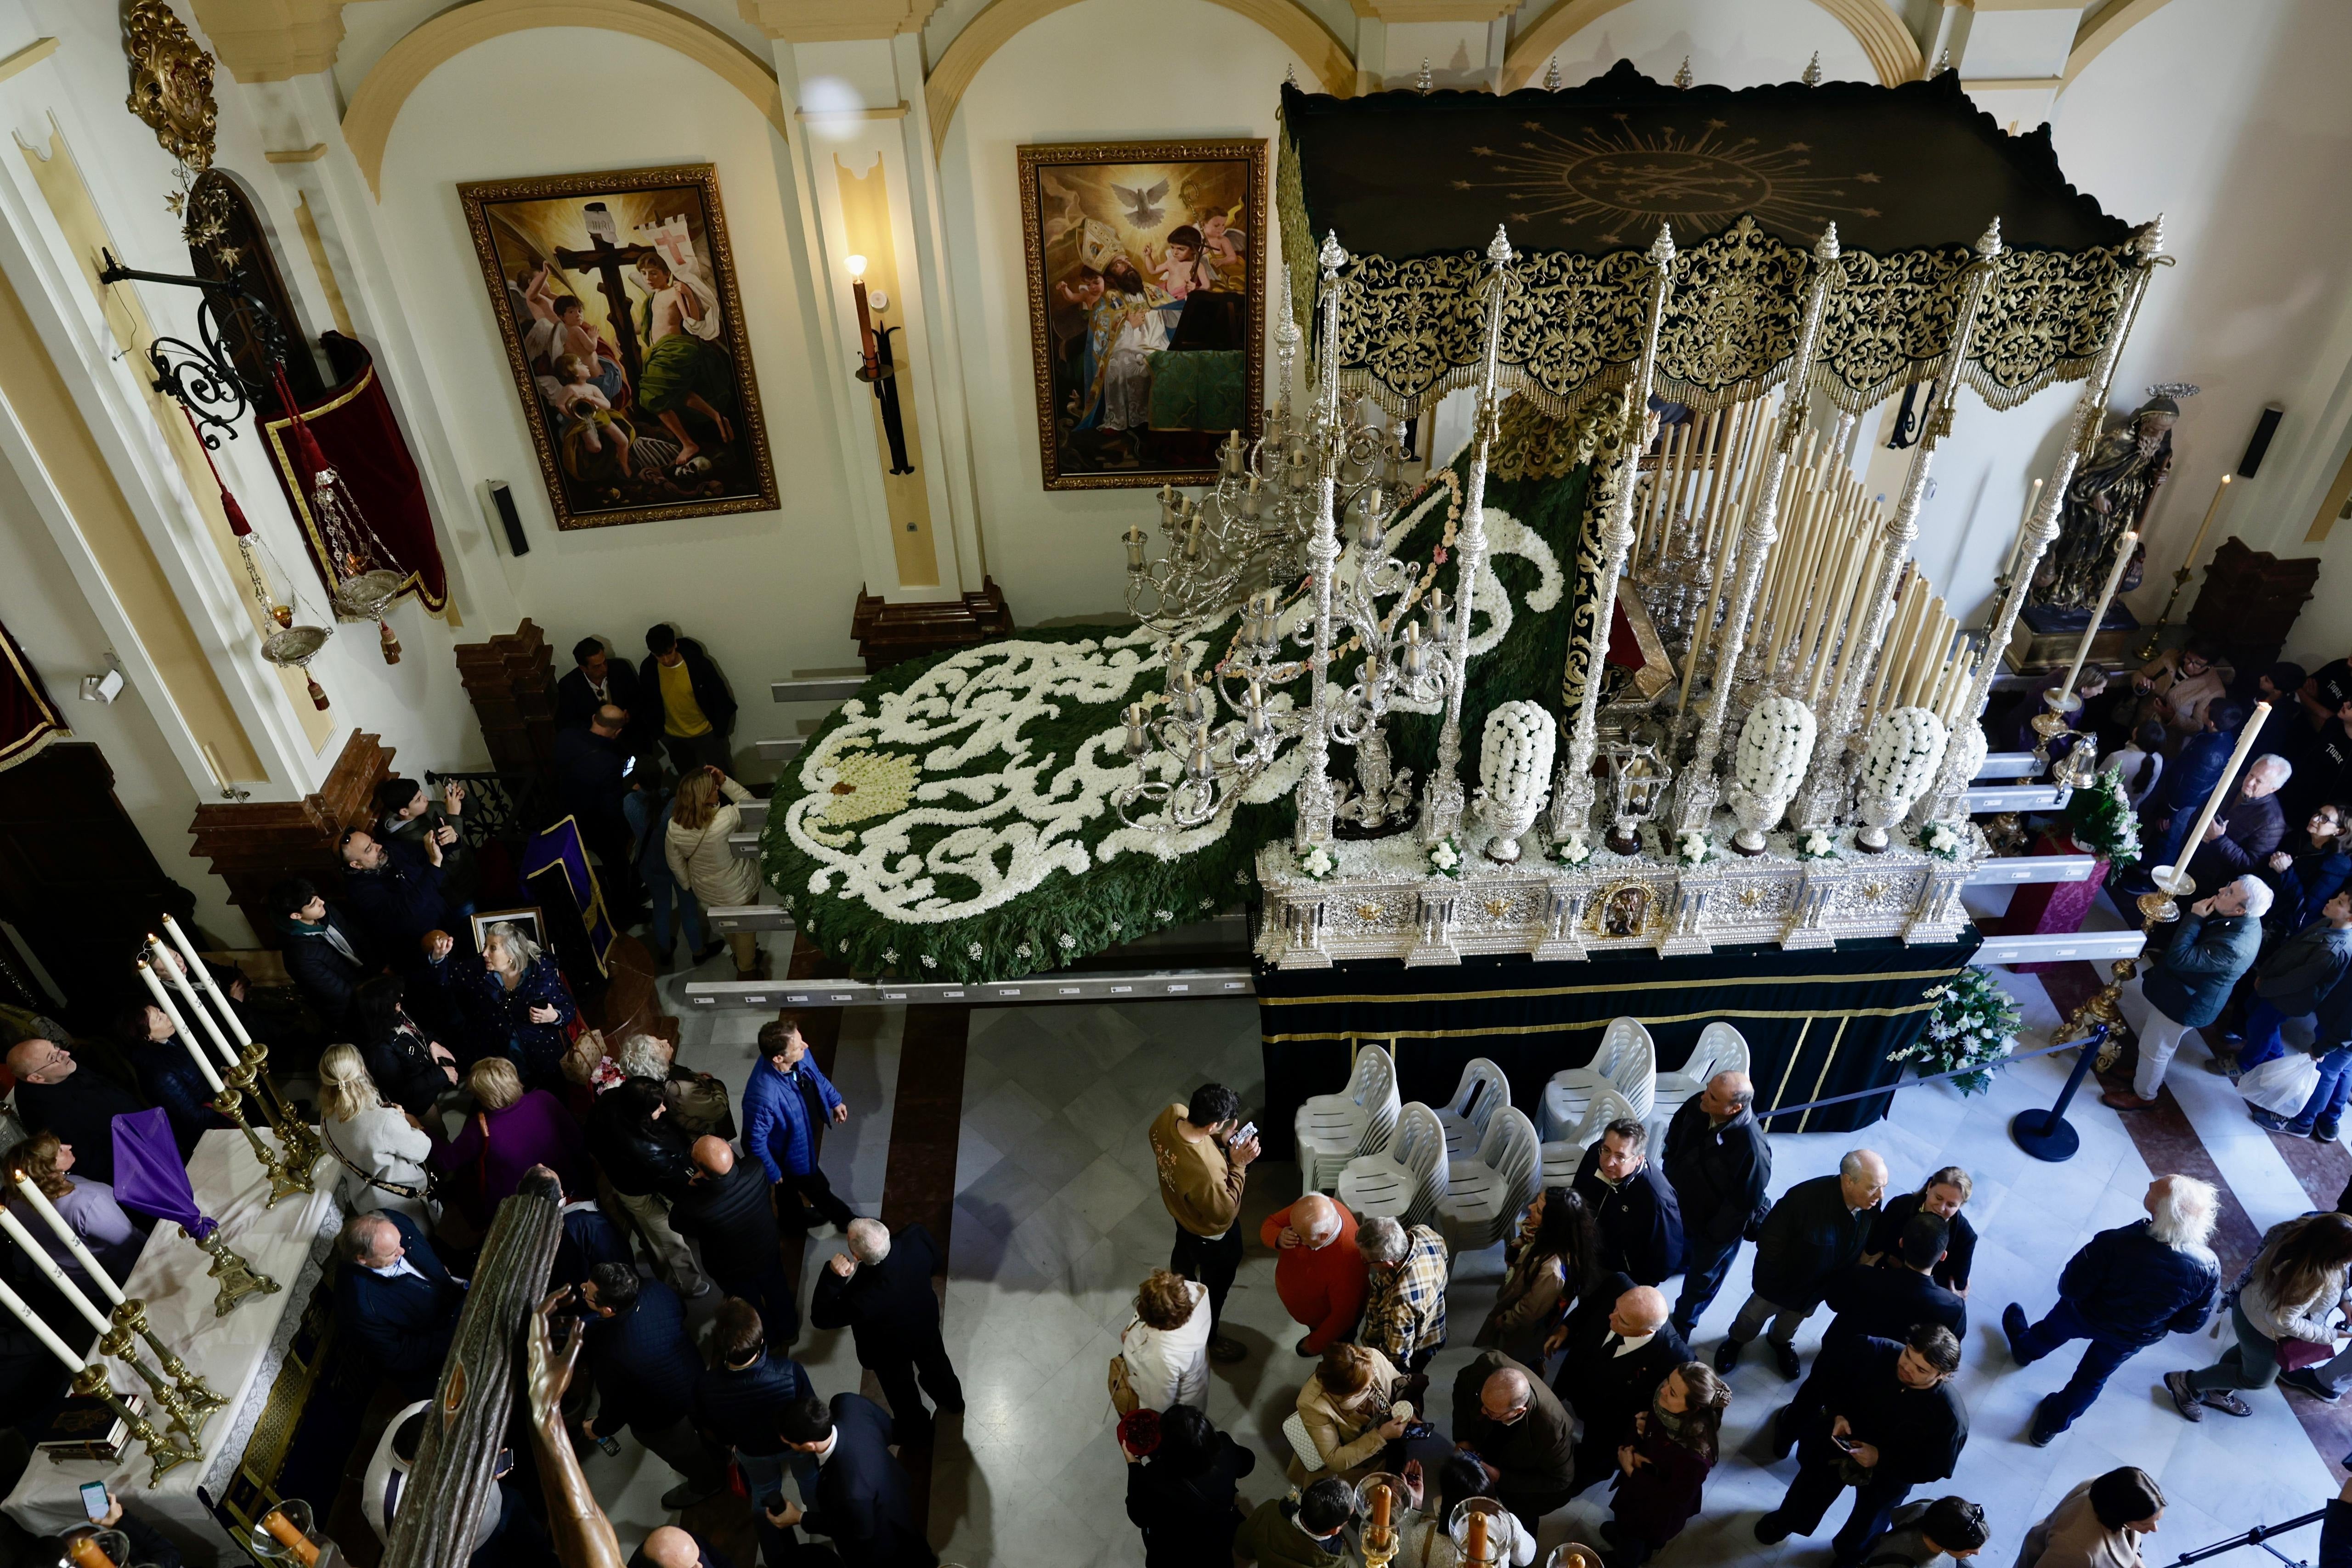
1718	1173
2135	1289
1810	1236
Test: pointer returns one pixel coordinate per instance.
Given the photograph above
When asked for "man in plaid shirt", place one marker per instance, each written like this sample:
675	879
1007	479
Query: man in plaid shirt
1405	1318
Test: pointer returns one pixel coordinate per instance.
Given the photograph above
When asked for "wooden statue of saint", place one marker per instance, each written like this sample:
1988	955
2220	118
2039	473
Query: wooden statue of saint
2109	493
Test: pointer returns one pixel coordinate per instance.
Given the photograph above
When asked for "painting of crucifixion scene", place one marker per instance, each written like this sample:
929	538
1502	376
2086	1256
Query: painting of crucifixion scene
1147	294
617	297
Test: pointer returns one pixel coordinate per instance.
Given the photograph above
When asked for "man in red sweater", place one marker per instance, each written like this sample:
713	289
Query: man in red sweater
1317	1271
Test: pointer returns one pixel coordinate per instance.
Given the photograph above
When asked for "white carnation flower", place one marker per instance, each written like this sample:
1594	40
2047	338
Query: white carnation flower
975	949
1067	941
889	954
930	962
1021	951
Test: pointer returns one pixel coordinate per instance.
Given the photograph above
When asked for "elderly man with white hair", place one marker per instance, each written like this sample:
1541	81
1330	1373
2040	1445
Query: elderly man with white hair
880	1290
2126	1290
1317	1271
2185	985
2249	826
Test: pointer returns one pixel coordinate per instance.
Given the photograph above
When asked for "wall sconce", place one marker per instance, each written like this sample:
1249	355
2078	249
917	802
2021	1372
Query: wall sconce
878	372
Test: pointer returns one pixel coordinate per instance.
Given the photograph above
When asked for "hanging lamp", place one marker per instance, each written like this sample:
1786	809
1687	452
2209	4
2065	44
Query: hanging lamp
290	646
368	576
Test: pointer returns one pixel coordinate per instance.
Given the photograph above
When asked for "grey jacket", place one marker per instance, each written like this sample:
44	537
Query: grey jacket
2303	968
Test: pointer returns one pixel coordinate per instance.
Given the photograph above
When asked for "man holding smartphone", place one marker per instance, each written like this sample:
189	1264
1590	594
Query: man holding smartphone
1203	1154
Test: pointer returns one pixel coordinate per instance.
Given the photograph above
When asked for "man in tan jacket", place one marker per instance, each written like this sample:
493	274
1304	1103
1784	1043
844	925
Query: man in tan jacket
1202	1168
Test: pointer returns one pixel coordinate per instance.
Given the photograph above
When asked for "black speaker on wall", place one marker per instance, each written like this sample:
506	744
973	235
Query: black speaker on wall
2264	428
503	499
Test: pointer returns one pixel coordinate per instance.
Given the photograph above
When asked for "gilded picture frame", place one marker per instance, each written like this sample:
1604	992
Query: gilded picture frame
1146	267
618	303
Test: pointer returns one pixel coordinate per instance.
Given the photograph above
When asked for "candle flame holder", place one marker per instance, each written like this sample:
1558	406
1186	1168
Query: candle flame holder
238	1278
167	1453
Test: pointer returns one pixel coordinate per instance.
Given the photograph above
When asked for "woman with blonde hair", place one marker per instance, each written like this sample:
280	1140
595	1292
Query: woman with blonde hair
381	1148
1167	1346
2290	1293
702	819
513	995
1345	1409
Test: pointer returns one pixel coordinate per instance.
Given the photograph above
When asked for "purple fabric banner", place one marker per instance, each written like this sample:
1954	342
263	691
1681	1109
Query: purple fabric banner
555	859
149	1176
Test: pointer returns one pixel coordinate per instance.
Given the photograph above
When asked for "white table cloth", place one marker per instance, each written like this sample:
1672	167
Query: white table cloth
239	1354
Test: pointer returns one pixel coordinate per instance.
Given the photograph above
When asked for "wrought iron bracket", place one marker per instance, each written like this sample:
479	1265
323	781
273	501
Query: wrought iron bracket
203	376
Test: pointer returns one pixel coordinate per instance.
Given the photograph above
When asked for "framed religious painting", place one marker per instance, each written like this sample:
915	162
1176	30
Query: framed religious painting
1146	306
616	298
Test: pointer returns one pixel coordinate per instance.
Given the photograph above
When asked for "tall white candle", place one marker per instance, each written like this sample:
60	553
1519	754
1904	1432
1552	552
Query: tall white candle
57	1275
2223	785
2017	549
196	1004
204	979
57	1222
41	1331
2124	548
178	1025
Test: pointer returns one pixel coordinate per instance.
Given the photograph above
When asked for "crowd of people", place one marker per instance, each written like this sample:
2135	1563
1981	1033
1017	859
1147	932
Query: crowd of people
1586	1375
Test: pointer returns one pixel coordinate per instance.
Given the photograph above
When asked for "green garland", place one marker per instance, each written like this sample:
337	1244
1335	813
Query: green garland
2100	818
1066	916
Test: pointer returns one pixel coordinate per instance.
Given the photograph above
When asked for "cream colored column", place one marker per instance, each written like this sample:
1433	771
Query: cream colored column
866	182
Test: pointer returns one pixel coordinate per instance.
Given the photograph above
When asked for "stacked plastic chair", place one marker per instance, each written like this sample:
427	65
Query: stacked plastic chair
1485	1193
1562	1156
1407	1180
1721	1049
1482	1092
1359	1120
1627	1062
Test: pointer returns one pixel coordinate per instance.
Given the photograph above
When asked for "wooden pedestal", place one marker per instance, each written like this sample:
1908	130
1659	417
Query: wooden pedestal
892	633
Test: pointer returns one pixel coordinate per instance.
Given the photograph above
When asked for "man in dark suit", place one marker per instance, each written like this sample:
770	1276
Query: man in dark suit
881	1291
672	1546
685	701
1883	1303
729	1208
589	1238
396	898
595	681
738	1403
1815	1232
55	1093
1718	1164
395	1301
1639	1223
1888	1415
644	1364
326	958
1519	1432
863	1501
591	780
1620	1345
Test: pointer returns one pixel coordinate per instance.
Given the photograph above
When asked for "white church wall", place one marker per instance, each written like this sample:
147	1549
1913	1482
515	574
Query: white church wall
1742	45
767	591
1057	553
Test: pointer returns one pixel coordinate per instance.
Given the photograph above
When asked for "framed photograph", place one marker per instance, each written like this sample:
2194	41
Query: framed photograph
616	297
1146	306
529	921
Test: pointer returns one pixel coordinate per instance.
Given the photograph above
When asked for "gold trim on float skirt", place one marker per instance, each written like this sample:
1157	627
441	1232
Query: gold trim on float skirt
1824	1076
1642	1018
1521	993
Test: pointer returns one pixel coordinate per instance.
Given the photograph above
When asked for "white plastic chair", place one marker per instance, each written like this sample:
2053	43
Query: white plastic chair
1561	1156
1627	1062
1335	1128
1482	1092
1405	1181
1293	1427
1721	1049
1485	1195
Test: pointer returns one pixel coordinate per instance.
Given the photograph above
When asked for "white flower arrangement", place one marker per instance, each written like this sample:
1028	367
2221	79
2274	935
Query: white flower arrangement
1572	850
1775	745
974	950
1693	847
1024	952
1899	761
1514	757
1066	941
1938	839
930	962
1445	856
1973	1023
1315	862
889	954
1816	844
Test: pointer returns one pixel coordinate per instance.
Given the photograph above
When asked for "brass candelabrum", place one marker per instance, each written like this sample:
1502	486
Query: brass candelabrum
168	1450
2155	632
291	1171
238	1278
2102	1011
195	1396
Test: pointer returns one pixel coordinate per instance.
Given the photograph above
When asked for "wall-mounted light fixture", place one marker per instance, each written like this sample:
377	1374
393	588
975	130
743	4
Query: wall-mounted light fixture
878	372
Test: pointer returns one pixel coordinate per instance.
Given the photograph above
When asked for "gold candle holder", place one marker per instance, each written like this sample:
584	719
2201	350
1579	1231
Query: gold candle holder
285	1177
2157	909
237	1277
167	1453
2060	705
131	1315
117	1342
296	1138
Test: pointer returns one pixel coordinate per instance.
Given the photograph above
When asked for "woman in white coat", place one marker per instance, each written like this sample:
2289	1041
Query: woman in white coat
1167	1346
705	863
381	1148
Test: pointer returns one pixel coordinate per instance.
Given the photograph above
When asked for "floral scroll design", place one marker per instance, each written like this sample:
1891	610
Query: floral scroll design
2044	319
1890	323
1732	321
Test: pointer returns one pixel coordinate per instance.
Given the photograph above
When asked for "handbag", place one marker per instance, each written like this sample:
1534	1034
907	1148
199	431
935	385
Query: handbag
1124	1399
2296	1354
433	1178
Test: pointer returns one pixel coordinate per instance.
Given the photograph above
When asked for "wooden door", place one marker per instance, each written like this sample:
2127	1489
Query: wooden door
76	879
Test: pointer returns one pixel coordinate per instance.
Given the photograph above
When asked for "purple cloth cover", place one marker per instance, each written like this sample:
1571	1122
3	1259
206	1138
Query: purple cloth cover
148	1174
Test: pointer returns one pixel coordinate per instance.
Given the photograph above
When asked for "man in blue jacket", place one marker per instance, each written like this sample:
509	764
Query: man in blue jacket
785	1104
2187	987
646	1367
395	1301
2124	1291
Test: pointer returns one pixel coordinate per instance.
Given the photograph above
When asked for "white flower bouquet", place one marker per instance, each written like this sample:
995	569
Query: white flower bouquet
1571	850
1315	862
1942	840
1817	845
1775	745
1693	847
1973	1023
1445	856
1514	765
1899	761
